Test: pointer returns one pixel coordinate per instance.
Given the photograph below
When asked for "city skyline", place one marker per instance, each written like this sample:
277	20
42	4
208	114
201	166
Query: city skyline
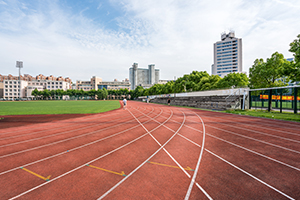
103	38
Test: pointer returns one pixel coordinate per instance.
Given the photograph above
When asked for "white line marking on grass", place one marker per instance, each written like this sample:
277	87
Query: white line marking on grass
81	166
120	182
252	176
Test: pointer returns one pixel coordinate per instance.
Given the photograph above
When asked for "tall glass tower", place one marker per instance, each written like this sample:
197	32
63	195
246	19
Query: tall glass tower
227	55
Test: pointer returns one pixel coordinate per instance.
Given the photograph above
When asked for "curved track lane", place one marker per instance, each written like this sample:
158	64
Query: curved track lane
151	151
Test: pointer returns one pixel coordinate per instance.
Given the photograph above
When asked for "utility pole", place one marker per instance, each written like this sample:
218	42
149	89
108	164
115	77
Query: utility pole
19	65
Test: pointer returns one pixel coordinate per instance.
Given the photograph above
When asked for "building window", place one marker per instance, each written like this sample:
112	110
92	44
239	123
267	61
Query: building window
6	90
52	86
6	82
60	86
6	86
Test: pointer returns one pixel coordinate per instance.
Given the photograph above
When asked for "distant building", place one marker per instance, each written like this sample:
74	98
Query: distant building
97	83
143	77
13	89
227	55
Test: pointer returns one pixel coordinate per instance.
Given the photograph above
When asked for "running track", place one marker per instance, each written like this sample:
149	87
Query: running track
151	151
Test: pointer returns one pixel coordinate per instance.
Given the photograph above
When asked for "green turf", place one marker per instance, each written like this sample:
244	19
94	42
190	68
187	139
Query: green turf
56	107
290	116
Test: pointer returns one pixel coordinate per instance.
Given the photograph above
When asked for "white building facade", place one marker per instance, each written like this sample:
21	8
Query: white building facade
143	77
227	55
14	88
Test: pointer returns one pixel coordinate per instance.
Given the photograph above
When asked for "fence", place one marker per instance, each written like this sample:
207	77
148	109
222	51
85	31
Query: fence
280	98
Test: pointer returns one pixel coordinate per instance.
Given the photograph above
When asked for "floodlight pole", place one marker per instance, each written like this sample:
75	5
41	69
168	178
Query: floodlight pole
19	65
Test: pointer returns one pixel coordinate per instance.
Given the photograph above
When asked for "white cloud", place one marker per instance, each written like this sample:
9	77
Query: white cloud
177	36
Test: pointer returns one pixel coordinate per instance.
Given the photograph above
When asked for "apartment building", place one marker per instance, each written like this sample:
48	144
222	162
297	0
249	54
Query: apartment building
97	83
14	88
227	55
142	76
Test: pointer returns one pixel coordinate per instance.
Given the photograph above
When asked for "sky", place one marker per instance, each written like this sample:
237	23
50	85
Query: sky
80	39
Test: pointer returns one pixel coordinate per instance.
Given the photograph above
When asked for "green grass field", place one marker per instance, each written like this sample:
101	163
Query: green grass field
56	107
272	115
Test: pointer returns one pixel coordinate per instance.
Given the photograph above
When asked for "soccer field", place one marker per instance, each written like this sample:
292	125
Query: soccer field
56	107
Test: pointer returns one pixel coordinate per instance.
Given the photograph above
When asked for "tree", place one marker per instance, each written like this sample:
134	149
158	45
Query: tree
46	94
268	74
35	92
233	79
293	69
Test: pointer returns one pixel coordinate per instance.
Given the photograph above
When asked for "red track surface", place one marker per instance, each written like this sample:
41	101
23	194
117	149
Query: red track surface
165	153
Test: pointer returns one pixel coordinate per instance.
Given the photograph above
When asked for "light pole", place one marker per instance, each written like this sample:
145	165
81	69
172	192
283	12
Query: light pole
19	65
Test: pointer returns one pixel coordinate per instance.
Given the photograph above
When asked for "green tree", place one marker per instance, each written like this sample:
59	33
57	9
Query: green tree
293	69
233	79
46	94
35	93
268	74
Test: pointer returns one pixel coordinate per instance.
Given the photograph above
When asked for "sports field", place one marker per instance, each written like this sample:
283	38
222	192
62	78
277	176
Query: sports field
151	151
56	107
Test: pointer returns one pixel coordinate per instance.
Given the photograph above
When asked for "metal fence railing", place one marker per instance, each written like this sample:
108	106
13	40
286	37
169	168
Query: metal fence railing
280	98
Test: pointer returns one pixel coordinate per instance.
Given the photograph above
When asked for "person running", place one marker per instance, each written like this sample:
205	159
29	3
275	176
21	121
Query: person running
169	101
124	103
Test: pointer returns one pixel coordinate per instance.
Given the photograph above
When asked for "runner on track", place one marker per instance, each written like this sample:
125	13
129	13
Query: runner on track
169	101
124	103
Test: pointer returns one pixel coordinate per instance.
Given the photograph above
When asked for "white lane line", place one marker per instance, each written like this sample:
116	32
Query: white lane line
254	152
120	182
38	147
63	122
252	176
53	128
161	145
60	133
87	144
188	193
264	183
268	122
278	146
81	166
198	163
207	195
60	141
262	133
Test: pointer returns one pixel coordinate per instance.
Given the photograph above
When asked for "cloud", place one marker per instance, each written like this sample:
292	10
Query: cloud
177	36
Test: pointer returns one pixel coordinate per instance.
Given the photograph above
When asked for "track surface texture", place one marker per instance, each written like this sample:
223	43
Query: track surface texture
150	151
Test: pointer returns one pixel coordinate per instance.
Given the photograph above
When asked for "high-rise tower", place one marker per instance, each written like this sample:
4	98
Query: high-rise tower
227	55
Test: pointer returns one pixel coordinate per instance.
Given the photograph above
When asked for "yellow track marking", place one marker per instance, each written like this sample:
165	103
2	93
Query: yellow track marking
155	163
106	170
31	172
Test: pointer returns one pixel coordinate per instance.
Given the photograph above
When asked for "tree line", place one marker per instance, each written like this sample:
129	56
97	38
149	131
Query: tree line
274	72
58	94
